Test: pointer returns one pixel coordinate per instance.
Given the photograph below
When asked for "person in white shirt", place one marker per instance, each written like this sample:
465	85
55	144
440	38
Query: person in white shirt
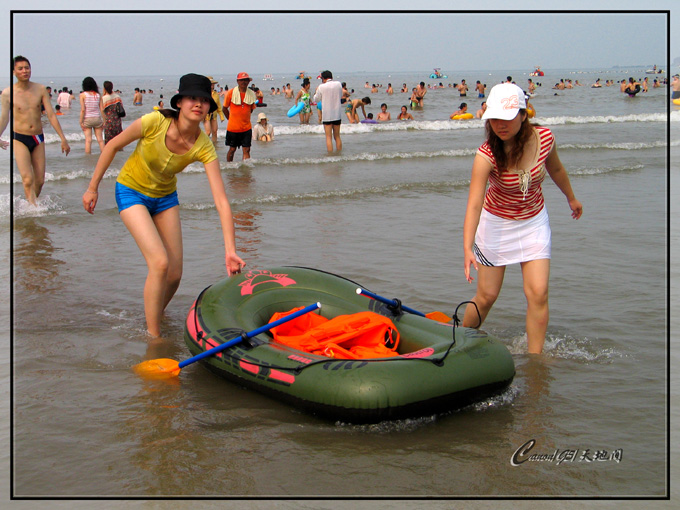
329	94
64	98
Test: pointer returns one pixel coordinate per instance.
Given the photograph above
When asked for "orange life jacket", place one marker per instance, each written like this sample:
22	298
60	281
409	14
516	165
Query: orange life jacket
356	336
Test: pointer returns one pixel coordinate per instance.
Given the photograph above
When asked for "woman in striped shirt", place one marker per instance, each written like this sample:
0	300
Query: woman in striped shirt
508	223
91	114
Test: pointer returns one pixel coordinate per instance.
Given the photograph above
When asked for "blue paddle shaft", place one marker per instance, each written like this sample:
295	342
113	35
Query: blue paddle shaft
390	302
249	334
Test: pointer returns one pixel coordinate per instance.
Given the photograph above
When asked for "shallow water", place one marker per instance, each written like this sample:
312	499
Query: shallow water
386	213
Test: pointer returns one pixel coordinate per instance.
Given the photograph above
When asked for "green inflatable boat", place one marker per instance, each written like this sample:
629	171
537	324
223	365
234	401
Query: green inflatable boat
439	367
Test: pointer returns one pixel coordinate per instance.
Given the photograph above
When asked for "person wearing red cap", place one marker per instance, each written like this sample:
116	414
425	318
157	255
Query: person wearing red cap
506	221
239	104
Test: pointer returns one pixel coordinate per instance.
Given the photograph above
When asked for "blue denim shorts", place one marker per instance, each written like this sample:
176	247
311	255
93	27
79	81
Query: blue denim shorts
127	197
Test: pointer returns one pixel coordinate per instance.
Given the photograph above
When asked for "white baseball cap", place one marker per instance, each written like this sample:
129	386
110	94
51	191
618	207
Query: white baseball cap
505	101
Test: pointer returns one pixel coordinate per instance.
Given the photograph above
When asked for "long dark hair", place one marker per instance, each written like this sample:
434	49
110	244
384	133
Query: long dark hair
504	160
89	85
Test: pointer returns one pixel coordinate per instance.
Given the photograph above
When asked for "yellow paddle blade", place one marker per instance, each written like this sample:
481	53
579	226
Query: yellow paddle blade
162	368
438	316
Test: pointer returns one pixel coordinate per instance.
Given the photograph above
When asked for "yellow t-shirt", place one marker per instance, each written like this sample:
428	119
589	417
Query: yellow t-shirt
152	168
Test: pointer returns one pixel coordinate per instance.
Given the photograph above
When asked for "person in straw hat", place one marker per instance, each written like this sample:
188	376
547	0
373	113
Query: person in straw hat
263	131
146	189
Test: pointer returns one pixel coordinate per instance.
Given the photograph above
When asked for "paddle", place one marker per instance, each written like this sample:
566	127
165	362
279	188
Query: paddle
164	368
435	316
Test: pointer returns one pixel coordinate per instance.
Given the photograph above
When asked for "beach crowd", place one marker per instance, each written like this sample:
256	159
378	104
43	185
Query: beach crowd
505	195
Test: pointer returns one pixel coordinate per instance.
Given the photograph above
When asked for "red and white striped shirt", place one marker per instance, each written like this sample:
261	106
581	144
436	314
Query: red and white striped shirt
517	194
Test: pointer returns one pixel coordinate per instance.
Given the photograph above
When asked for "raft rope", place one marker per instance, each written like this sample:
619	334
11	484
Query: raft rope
297	370
456	322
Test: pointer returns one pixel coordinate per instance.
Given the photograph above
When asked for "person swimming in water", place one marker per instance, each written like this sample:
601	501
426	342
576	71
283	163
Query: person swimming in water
418	94
632	87
404	115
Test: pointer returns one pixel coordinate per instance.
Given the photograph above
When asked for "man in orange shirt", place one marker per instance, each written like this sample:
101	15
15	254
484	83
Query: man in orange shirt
239	104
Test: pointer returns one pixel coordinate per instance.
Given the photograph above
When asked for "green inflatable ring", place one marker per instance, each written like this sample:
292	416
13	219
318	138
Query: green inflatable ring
433	373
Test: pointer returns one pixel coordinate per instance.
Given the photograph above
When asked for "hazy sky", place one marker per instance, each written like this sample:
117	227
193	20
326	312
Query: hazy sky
142	43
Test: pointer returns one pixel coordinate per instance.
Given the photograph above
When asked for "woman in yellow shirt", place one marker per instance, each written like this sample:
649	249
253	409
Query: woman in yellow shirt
146	189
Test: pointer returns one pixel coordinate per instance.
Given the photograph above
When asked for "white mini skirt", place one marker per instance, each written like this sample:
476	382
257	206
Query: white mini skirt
501	242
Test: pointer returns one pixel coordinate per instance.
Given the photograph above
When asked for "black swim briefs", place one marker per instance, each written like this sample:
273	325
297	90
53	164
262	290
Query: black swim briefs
30	141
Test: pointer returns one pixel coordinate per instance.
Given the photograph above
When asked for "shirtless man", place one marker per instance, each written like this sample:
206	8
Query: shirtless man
481	111
632	87
137	98
419	93
345	93
351	109
531	85
28	138
288	91
481	89
675	84
462	88
384	115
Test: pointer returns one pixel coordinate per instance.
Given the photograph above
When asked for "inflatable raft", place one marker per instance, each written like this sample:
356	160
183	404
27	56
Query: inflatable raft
438	366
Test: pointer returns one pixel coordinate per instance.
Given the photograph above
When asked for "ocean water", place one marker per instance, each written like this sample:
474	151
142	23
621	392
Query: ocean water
386	212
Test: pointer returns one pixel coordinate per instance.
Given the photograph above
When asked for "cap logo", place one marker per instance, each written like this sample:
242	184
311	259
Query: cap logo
510	103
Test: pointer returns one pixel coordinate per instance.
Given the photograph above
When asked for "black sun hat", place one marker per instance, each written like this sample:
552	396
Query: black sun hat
194	85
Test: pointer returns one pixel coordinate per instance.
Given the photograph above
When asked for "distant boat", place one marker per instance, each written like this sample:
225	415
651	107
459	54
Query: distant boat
437	74
654	70
268	77
537	72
